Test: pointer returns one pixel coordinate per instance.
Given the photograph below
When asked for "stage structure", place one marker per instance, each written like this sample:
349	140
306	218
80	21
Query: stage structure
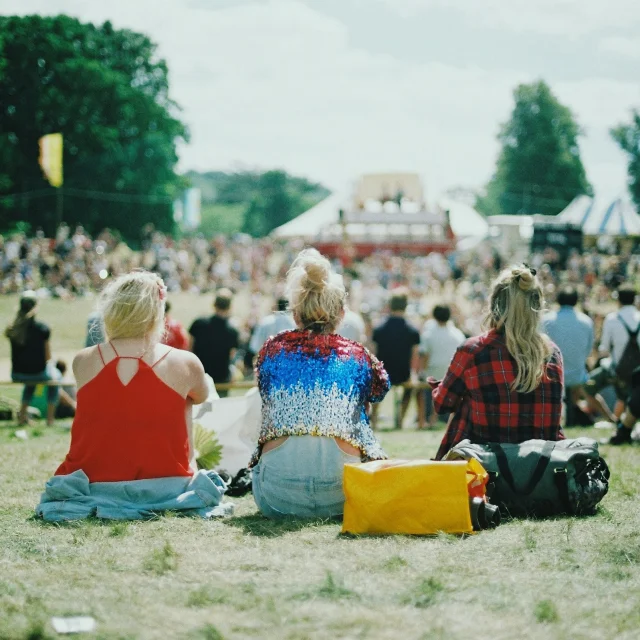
385	212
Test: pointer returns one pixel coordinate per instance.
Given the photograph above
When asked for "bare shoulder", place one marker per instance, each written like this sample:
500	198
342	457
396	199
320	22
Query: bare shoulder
185	359
86	364
84	356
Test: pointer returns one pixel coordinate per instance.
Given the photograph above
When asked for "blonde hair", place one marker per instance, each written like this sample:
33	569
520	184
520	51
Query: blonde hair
132	306
315	292
18	330
516	304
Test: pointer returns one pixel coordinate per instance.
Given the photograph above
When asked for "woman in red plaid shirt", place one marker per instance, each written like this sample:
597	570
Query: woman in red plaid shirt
505	385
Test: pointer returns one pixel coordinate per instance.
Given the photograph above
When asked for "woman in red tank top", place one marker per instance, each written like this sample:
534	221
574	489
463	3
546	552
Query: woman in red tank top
133	418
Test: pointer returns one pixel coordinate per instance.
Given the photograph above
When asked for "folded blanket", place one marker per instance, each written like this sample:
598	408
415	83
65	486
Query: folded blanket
73	497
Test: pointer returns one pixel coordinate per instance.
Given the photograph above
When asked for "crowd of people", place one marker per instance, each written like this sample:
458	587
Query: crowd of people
325	353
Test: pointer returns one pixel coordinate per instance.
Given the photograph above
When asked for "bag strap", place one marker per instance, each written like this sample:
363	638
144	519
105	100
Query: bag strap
536	476
562	487
632	334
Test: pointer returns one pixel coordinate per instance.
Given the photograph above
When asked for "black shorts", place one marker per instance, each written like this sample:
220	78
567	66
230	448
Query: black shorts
633	401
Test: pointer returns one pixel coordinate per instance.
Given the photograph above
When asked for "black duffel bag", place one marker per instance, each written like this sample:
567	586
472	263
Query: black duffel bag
541	478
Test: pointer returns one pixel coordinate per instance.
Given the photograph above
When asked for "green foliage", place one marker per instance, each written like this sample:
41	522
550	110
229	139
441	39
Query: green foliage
546	611
208	449
425	594
628	137
252	202
107	92
539	169
161	561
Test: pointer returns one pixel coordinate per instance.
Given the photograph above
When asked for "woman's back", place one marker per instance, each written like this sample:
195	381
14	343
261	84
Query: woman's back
318	384
131	420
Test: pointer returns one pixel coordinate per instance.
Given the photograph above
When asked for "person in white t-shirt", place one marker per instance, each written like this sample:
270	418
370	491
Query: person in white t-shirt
615	336
438	343
616	332
352	327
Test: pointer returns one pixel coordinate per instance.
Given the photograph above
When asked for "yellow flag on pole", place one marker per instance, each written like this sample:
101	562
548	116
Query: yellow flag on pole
51	158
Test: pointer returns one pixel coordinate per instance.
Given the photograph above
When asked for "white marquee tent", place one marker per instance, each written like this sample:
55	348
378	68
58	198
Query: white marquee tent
617	218
466	222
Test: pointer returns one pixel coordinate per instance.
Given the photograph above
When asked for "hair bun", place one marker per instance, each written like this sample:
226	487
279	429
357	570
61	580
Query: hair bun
525	278
316	276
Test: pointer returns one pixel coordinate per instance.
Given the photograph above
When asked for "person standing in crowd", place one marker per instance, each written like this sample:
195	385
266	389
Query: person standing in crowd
31	355
215	341
353	327
396	344
505	385
572	331
621	340
175	335
95	332
315	387
438	343
271	325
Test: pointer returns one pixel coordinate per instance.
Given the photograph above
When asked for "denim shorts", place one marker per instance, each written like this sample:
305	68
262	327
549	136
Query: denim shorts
302	477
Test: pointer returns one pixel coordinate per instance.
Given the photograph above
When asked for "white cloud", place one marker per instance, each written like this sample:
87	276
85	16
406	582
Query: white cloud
568	18
279	84
620	46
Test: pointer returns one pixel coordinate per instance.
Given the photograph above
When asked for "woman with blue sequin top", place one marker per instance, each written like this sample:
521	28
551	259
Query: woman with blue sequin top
315	387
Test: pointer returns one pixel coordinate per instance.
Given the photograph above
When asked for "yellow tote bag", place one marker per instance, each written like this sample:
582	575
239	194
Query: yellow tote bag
411	496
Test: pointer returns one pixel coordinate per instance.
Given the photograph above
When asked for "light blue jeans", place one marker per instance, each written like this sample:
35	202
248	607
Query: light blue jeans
302	477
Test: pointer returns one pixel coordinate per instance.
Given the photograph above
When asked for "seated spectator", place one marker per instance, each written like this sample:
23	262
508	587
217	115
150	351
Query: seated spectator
438	343
31	355
620	340
631	414
315	386
66	405
134	394
505	385
175	335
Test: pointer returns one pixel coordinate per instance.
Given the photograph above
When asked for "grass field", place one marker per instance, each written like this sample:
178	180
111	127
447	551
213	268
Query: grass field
245	577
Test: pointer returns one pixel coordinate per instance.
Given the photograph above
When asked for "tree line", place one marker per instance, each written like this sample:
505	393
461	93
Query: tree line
107	91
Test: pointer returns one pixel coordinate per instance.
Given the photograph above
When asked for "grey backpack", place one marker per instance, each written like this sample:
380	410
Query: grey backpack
541	478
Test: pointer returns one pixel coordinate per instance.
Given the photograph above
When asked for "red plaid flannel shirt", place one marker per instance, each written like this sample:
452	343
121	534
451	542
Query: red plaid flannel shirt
477	389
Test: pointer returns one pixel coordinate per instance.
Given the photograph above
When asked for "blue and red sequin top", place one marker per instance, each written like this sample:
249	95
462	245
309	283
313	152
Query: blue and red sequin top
319	384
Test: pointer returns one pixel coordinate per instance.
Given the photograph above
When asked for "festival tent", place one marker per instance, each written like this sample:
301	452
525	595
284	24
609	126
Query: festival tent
465	220
311	222
598	218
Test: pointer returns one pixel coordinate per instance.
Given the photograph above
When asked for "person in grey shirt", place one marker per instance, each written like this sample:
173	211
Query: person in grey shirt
95	332
274	323
572	331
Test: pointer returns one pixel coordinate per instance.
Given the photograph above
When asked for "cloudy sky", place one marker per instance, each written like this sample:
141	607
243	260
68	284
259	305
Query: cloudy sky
334	88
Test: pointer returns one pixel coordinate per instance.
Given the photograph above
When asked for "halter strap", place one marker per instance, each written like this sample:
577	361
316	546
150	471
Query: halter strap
104	364
162	357
119	357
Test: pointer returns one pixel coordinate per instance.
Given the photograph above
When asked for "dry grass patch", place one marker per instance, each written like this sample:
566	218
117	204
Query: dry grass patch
246	577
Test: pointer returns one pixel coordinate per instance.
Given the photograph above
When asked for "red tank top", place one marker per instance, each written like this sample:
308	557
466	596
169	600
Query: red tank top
128	432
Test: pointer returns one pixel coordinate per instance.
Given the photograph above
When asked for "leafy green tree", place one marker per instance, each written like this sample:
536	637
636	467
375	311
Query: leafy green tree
107	92
273	206
628	137
539	169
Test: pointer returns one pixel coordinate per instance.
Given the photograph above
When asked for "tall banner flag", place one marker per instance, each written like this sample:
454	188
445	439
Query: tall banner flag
51	158
191	212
